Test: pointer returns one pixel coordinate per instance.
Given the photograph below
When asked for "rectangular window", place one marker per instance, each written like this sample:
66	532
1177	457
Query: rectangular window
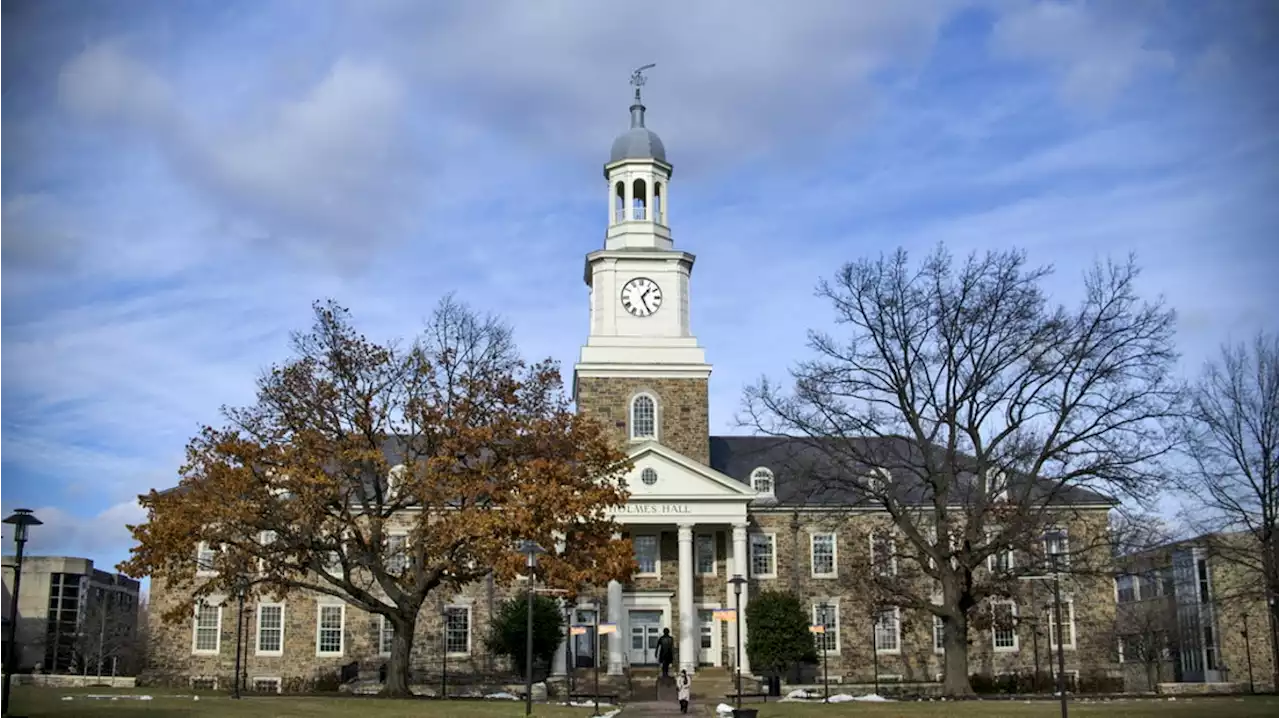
270	629
823	553
1001	559
883	560
1202	573
266	685
829	639
386	635
265	538
1210	649
939	635
1004	628
330	622
646	550
1126	589
762	556
457	640
705	548
205	555
208	629
706	625
1068	624
397	556
887	630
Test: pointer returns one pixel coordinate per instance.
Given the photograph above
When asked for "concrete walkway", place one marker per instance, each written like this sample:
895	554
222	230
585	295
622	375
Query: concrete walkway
654	709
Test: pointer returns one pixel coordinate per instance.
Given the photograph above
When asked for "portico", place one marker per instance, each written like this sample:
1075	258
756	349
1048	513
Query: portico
707	513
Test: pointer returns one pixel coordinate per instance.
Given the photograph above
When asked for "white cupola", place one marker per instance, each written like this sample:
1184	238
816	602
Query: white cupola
638	176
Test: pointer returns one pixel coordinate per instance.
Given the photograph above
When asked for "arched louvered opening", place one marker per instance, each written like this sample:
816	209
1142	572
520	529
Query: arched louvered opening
639	199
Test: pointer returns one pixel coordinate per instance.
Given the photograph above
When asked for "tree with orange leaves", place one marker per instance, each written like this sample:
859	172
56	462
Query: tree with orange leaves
378	475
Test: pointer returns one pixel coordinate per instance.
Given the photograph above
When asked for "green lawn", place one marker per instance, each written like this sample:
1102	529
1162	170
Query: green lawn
39	702
1161	708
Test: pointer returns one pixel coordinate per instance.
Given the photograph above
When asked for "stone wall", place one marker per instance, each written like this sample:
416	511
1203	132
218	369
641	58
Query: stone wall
683	421
172	660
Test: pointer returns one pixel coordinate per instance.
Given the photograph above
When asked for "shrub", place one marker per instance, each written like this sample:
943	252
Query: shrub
779	633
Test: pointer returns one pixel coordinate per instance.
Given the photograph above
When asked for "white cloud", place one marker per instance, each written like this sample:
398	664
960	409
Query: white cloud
322	172
102	537
1098	52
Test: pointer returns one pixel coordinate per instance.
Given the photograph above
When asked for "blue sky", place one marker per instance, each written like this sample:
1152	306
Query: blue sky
182	180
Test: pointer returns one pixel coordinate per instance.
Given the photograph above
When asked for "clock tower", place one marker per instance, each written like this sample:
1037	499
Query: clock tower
641	371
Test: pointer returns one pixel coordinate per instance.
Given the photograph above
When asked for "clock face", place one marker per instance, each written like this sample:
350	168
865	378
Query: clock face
641	296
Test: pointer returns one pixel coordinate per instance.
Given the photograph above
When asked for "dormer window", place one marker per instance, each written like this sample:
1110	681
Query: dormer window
644	418
762	481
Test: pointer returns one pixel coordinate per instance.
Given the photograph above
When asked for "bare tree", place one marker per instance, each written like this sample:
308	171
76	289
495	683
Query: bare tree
1231	434
108	642
975	416
1147	633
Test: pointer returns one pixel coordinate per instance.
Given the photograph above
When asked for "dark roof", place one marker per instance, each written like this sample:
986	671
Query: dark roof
807	474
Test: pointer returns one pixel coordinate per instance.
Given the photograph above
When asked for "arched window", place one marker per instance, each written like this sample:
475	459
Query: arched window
619	201
638	199
657	201
644	417
762	481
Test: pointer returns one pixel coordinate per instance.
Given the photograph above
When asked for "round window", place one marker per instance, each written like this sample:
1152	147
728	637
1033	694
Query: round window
649	477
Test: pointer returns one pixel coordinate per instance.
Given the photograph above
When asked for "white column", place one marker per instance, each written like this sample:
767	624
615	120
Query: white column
688	619
615	617
740	568
562	648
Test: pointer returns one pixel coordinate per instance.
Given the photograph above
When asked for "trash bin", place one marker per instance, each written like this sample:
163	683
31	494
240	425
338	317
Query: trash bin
745	712
775	685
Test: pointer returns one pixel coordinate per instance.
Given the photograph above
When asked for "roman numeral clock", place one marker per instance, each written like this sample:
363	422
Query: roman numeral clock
641	296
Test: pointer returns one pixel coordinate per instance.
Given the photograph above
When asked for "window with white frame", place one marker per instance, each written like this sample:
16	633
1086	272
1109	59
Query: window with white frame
829	619
883	560
1001	558
1057	544
1004	629
939	634
644	417
386	635
266	685
457	638
1126	589
704	548
270	629
397	554
762	481
330	625
207	638
332	563
887	630
205	555
763	556
265	539
823	555
204	683
1068	624
646	552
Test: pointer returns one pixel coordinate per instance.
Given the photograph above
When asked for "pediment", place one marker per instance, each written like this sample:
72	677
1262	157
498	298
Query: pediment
679	477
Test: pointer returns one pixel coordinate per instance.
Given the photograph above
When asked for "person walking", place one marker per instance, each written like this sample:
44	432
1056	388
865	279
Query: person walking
682	690
666	651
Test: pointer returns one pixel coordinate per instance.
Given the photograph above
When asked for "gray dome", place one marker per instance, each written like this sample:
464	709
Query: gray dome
639	142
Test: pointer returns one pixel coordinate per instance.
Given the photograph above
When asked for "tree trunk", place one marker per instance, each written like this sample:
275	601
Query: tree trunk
398	667
955	641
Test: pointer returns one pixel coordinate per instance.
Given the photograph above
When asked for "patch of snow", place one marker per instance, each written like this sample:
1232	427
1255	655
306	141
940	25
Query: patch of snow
724	708
588	704
503	695
67	698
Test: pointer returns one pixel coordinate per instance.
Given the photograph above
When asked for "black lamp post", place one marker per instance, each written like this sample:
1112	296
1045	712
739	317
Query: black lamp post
568	645
1057	620
737	581
21	520
875	653
825	616
444	652
240	588
531	550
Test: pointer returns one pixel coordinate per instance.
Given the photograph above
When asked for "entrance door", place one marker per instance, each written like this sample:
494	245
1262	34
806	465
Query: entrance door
646	627
584	646
708	638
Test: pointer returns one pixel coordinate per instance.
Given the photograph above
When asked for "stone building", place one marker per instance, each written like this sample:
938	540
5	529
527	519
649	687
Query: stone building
1187	613
702	509
69	613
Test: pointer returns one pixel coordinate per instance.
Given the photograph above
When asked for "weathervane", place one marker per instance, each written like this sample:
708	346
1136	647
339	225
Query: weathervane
638	79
